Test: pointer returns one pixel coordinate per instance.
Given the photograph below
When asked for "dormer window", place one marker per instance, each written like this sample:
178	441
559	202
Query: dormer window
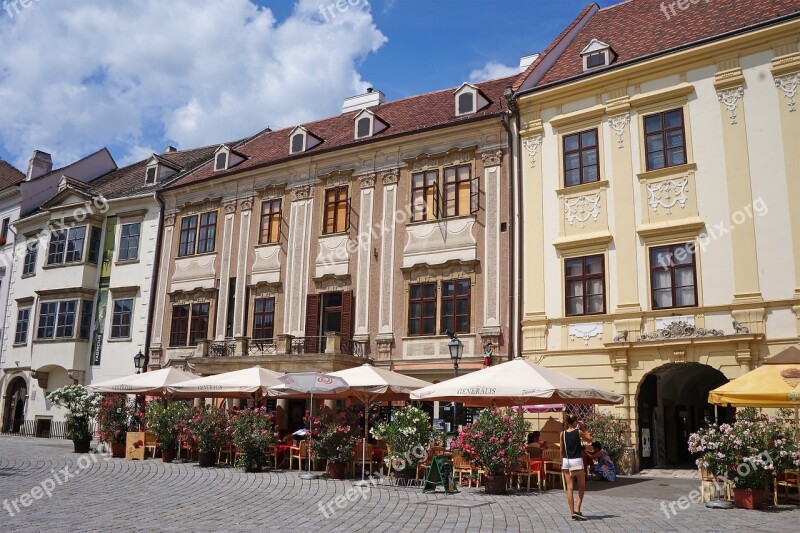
150	177
597	54
368	124
221	161
300	140
469	99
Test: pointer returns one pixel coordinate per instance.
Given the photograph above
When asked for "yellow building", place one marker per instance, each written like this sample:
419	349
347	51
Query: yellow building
660	203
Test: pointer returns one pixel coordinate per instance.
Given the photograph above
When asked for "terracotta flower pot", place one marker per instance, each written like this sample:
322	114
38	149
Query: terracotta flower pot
748	499
118	449
168	455
336	470
496	484
206	459
80	446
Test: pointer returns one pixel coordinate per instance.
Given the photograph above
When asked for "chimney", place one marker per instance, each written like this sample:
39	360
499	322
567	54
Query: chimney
525	61
39	164
170	149
371	98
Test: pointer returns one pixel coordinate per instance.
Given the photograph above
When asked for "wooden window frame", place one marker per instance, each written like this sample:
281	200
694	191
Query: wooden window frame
271	218
331	224
197	332
430	186
451	189
125	320
455	298
95	243
584	279
663	133
187	236
198	235
580	151
125	242
422	301
31	256
85	327
179	326
672	267
258	332
23	327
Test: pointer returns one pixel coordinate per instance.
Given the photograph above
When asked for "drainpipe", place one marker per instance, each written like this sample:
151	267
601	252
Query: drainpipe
510	122
154	277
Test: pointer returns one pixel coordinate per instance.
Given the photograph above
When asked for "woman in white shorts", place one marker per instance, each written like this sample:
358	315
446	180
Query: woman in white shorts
572	465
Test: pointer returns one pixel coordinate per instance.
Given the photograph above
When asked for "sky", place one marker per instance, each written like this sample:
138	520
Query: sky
137	76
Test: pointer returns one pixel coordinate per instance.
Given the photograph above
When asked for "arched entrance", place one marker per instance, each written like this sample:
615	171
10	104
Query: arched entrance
672	403
16	398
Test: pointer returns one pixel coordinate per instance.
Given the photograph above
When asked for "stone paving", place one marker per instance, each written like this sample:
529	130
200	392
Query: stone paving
113	494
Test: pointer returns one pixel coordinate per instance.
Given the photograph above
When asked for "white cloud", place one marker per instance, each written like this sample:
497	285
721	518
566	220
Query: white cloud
75	76
492	70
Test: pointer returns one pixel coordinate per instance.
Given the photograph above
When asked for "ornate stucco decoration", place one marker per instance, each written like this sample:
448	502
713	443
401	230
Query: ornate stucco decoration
617	123
586	331
199	295
390	177
368	180
788	85
206	204
337	178
454	156
532	144
301	193
246	204
169	219
268	192
492	159
230	207
679	330
667	194
730	99
582	208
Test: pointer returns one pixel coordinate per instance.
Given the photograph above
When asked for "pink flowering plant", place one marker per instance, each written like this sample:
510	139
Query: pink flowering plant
495	442
252	432
113	416
749	452
611	430
206	427
334	435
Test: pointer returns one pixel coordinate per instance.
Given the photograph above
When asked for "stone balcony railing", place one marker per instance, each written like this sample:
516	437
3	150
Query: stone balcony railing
330	343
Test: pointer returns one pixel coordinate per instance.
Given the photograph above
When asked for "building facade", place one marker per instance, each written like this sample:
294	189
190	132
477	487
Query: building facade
82	281
660	192
359	238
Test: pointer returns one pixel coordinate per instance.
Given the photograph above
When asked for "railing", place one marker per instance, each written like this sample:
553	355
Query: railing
221	348
354	347
304	345
262	347
42	428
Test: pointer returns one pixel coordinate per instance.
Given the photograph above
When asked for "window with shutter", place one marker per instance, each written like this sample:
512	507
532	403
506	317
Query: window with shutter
312	323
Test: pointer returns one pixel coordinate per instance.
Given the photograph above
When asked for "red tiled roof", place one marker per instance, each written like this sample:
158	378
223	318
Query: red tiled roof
9	175
415	113
640	28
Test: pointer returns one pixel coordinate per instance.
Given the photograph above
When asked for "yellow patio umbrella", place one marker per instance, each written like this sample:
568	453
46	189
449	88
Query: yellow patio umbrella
774	384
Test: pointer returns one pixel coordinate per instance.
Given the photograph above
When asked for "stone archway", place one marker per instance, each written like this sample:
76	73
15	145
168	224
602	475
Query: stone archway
672	403
16	402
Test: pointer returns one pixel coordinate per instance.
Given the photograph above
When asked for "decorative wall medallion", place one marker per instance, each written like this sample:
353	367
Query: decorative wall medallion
730	99
532	144
246	204
788	85
389	177
667	194
582	208
491	159
169	219
367	180
230	207
618	123
679	330
586	331
301	193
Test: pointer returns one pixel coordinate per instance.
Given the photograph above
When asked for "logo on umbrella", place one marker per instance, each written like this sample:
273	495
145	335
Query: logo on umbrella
325	380
791	376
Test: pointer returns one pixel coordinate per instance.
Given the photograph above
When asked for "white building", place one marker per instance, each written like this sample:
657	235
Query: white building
83	270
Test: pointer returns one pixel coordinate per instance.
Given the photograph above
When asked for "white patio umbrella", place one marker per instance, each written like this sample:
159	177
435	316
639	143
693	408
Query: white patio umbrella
517	382
146	383
309	383
245	384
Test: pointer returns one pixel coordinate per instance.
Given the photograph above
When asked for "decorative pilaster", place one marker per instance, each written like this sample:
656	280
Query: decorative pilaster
730	99
225	269
301	221
531	145
788	85
389	179
160	303
618	124
491	262
365	254
245	221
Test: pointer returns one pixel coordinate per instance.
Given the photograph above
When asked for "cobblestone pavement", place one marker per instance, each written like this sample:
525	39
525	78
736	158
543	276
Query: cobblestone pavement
106	494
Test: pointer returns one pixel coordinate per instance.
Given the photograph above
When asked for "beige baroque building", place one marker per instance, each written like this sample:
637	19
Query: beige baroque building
358	238
661	185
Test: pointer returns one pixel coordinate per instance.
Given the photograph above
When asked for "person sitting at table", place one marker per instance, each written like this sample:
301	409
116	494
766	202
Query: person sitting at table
535	440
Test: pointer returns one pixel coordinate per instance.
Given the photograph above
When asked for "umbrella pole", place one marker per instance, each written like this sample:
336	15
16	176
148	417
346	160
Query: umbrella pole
310	414
364	444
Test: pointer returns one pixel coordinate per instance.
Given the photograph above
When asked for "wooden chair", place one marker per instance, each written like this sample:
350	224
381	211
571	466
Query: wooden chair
708	486
530	469
788	479
150	444
461	468
553	466
361	456
229	452
300	453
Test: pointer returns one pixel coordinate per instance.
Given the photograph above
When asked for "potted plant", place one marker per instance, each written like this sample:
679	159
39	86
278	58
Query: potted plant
612	431
495	443
252	431
408	436
81	405
333	437
164	420
206	427
112	422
